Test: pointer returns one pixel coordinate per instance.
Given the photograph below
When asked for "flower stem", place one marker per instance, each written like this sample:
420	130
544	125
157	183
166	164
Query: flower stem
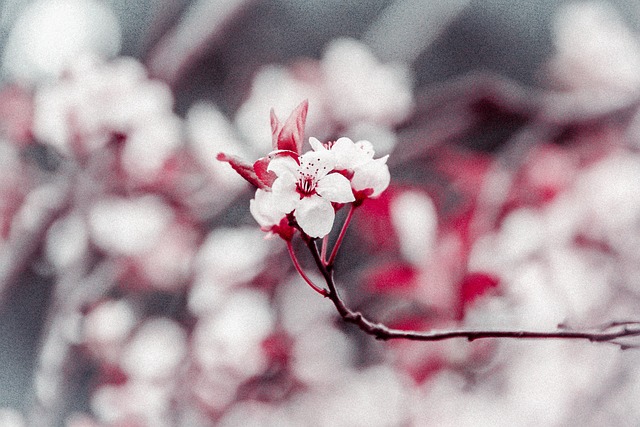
343	231
306	278
323	253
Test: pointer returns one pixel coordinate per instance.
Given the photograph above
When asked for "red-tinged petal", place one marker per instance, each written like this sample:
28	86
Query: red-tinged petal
373	174
260	167
276	128
290	137
473	286
282	164
243	168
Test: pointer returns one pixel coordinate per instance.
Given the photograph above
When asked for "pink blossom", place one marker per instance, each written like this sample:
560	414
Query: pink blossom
306	187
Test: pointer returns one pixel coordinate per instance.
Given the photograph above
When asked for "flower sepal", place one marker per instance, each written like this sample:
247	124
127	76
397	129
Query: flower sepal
284	229
289	136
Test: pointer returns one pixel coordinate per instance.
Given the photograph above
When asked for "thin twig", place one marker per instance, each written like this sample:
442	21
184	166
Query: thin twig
343	231
610	333
298	267
323	251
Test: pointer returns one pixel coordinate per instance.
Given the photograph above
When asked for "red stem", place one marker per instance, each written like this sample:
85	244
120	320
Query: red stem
323	250
306	278
343	231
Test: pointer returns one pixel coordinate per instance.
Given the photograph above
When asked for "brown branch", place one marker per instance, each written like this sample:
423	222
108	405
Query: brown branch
610	333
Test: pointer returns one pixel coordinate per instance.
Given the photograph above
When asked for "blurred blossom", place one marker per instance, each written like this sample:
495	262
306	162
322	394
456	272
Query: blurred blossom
94	101
375	396
167	265
11	418
135	403
230	339
129	226
49	35
106	328
16	113
313	362
415	220
67	241
596	50
150	146
167	309
609	195
155	351
299	311
14	184
210	132
227	257
361	88
257	413
351	93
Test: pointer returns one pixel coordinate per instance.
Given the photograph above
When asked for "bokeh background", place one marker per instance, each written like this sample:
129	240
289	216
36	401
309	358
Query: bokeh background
137	290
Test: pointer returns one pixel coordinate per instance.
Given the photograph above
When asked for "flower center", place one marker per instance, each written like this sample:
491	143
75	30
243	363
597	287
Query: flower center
308	175
307	185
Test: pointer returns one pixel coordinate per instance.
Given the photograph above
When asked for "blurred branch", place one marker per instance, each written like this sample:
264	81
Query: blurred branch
74	291
203	25
447	111
43	207
408	27
609	333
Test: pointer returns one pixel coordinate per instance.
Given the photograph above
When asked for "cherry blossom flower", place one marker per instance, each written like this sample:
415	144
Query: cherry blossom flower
307	189
309	186
369	177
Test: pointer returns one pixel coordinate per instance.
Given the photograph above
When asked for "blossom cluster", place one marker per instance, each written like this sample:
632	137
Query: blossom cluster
305	189
353	92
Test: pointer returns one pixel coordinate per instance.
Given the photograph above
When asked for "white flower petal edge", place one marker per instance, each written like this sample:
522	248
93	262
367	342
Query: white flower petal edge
284	191
283	164
315	216
374	175
350	155
336	188
264	209
316	145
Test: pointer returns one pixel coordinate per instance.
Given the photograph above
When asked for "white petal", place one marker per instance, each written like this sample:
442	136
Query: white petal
373	174
350	155
315	216
283	164
366	148
285	195
336	188
317	163
316	144
345	152
264	209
